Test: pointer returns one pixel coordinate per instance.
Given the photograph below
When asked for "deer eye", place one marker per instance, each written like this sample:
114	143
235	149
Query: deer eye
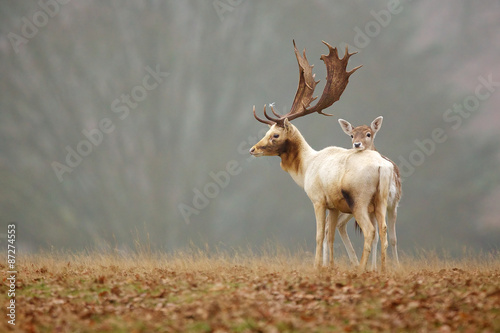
352	136
368	135
276	136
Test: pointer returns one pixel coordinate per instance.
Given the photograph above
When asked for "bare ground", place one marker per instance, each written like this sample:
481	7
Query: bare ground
195	292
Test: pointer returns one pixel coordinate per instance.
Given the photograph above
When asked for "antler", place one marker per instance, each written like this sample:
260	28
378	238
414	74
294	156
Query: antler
337	79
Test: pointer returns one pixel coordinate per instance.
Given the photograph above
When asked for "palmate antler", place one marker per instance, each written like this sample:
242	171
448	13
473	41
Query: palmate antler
336	81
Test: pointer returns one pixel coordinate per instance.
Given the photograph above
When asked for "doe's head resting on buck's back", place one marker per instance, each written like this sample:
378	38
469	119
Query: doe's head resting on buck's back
363	137
275	141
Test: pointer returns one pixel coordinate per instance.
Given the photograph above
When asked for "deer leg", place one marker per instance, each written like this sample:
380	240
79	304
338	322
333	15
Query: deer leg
320	212
363	219
391	226
332	225
325	243
382	229
374	243
342	223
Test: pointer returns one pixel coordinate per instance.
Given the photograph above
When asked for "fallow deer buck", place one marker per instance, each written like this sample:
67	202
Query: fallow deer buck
335	179
363	137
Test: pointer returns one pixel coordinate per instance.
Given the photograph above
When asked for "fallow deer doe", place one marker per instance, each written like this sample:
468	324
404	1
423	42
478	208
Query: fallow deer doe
335	179
363	137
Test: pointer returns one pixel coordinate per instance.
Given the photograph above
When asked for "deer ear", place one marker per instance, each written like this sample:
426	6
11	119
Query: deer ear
287	125
346	126
376	124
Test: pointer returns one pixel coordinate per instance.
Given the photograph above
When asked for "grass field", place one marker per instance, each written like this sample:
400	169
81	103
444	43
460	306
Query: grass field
196	292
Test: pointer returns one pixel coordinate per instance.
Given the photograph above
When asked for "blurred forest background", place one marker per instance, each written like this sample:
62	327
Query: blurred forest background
171	166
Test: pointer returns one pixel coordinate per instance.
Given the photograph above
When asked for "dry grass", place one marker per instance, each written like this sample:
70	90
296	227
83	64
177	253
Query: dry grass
274	291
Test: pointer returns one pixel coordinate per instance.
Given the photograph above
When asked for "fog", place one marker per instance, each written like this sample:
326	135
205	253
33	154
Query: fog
125	123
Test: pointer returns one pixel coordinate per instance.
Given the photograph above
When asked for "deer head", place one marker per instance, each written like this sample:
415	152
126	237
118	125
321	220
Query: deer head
276	139
362	136
274	143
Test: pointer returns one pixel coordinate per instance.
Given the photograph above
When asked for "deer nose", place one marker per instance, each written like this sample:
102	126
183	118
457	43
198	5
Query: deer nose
357	144
252	150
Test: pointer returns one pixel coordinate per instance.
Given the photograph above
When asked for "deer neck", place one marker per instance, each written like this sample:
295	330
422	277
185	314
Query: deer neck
295	156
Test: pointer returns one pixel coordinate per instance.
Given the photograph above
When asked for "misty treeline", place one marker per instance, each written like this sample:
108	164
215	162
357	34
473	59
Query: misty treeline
129	122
